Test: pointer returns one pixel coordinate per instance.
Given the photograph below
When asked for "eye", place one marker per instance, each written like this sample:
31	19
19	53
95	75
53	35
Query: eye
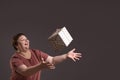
22	39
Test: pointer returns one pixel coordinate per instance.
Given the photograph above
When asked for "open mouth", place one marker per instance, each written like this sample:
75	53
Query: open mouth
26	44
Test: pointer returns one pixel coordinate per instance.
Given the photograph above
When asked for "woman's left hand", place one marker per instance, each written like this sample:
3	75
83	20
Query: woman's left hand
73	55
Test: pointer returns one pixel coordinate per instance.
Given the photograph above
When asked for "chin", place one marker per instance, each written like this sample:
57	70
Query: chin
27	48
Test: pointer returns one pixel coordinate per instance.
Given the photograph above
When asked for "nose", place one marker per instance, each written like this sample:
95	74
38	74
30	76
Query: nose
27	40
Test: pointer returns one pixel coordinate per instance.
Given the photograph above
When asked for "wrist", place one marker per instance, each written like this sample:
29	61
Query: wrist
66	55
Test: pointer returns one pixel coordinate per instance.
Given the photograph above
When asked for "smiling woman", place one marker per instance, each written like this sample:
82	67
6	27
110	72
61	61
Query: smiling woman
26	63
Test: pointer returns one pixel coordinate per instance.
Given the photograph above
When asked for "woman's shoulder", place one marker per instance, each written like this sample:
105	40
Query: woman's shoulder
15	55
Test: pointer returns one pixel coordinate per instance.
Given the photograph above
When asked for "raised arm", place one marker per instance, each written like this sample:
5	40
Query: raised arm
71	54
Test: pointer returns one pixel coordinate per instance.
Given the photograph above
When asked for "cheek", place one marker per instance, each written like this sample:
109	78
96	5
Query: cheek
21	44
28	41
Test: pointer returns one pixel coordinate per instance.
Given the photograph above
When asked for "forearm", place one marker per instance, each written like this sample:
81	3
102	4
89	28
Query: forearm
30	70
60	58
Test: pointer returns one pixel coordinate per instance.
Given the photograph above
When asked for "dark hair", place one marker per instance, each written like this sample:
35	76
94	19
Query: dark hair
15	38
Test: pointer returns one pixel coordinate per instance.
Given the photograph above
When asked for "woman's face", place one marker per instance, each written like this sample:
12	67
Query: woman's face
23	43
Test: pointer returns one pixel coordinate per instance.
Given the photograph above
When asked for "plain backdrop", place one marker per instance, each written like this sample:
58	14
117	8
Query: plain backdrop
93	24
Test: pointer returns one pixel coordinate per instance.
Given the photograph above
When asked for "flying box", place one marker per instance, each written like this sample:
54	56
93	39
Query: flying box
60	39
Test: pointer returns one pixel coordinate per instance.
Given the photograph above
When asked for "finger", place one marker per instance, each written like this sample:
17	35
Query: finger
73	59
42	60
73	50
78	53
52	67
48	64
77	58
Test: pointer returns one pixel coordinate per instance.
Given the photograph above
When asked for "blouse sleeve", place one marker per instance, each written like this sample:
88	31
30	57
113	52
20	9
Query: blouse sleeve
16	62
41	54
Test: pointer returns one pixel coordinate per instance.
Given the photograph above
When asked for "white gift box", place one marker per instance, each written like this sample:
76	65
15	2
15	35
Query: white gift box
60	38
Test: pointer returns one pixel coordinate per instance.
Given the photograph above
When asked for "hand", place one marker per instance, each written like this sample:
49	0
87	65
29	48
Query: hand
73	55
48	65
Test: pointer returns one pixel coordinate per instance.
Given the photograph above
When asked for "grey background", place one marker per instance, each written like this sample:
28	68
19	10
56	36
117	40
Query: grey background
93	24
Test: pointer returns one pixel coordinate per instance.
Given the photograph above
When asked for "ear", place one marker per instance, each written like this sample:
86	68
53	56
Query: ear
16	47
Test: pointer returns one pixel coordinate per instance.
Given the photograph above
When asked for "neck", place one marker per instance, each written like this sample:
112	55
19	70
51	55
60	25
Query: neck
23	51
26	54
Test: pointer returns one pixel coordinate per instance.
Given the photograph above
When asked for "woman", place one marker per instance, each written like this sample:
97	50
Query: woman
26	63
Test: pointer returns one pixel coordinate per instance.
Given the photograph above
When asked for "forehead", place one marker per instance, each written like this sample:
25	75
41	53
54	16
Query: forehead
22	37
